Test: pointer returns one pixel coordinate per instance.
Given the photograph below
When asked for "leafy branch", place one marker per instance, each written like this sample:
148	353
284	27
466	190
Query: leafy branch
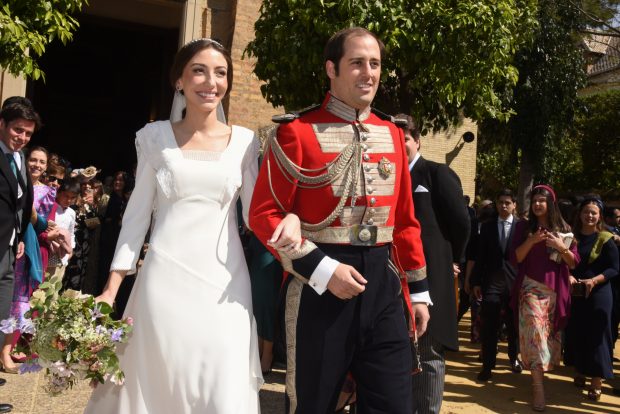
28	27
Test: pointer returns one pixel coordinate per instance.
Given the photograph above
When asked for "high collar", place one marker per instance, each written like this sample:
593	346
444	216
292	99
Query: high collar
337	107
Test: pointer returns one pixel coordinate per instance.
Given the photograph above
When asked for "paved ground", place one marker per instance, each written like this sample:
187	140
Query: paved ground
508	393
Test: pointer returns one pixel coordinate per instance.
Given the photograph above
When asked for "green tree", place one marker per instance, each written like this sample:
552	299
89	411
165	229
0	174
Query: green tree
27	27
598	127
443	58
551	71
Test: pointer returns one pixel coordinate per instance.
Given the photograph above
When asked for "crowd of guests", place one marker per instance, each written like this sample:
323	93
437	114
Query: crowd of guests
551	289
81	218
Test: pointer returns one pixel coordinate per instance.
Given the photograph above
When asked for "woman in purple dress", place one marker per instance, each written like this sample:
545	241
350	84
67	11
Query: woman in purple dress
541	295
25	283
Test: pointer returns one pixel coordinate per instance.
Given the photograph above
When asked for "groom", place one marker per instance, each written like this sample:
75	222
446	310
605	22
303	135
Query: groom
342	168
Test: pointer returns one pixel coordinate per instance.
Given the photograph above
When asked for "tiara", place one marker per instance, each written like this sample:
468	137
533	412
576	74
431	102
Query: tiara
205	39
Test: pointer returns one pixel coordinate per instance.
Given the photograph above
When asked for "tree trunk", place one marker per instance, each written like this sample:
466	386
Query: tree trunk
526	179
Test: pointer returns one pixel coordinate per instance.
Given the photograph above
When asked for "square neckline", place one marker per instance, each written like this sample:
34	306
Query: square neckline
176	146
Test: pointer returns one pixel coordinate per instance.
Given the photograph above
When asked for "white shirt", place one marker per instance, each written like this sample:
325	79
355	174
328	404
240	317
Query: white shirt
65	219
415	159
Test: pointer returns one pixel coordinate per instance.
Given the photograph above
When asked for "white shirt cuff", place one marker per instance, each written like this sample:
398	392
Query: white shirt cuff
422	297
321	275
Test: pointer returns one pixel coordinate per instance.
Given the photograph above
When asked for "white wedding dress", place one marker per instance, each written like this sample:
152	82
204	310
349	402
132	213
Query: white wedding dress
194	345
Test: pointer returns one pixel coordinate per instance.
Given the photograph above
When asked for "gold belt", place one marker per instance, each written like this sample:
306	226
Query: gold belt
356	235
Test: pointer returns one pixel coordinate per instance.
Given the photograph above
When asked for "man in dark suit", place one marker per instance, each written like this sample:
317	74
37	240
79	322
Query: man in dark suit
444	220
18	121
492	280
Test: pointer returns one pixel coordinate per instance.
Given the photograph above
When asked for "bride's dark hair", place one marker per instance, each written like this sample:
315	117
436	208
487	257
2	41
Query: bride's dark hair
187	52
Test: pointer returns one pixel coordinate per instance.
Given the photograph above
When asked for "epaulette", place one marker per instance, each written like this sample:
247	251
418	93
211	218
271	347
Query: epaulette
401	122
291	116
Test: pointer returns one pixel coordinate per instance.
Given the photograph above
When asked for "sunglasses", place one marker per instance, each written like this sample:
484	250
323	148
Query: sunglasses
51	179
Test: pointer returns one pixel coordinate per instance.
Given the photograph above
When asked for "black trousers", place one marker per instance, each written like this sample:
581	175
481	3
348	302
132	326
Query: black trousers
494	311
7	278
367	336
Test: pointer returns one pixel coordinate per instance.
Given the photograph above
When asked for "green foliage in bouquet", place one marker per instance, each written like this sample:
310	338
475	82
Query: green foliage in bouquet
73	337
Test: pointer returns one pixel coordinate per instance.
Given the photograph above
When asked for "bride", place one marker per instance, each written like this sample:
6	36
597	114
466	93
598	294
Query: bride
194	347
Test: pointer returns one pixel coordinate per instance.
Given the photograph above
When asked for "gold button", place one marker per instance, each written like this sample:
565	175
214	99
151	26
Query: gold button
372	211
369	190
367	168
370	180
364	147
371	222
373	201
366	157
364	136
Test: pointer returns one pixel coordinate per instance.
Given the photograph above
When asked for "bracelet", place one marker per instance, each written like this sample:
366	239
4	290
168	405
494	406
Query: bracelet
564	251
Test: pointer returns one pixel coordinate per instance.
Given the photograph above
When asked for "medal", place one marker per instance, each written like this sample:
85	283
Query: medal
385	168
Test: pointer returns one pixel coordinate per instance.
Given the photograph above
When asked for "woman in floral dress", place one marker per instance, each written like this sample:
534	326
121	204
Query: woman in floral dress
541	294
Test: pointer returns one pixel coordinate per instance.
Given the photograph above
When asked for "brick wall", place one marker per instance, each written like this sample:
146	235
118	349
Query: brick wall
448	147
247	106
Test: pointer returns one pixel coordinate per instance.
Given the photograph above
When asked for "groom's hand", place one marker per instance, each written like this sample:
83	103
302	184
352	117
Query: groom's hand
422	316
346	282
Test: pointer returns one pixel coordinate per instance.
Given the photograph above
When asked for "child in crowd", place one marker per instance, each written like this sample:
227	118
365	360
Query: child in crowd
61	248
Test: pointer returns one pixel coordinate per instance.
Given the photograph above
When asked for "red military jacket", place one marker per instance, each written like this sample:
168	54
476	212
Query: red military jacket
383	199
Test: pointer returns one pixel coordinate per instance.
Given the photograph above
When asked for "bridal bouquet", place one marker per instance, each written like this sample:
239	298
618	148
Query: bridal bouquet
71	337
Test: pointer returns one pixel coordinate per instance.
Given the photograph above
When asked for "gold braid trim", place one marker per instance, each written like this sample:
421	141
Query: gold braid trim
416	275
287	258
347	163
291	314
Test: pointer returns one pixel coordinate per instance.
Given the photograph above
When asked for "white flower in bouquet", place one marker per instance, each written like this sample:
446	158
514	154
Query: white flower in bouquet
71	337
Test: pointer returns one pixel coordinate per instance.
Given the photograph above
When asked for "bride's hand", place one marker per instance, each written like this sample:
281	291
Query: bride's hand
106	297
287	236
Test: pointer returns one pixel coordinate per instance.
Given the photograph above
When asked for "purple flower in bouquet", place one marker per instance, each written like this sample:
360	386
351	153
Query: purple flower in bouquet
100	329
116	334
30	366
96	312
8	326
26	326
